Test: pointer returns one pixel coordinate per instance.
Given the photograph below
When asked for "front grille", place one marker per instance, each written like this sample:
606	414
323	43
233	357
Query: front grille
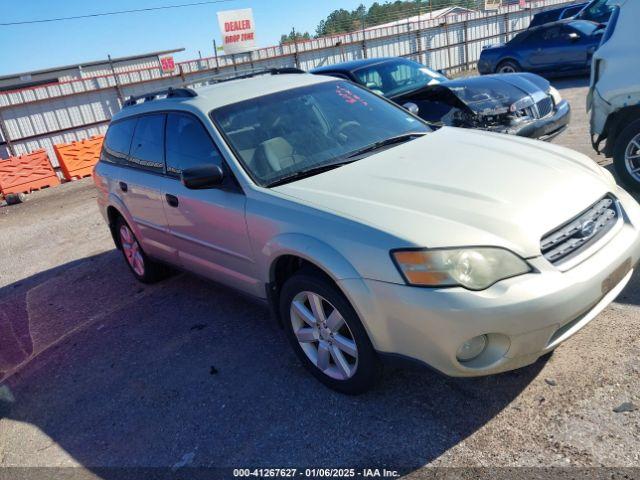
575	236
545	107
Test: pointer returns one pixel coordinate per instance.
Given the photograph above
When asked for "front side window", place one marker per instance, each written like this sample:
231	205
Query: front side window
147	147
598	11
397	77
117	142
188	144
278	135
552	34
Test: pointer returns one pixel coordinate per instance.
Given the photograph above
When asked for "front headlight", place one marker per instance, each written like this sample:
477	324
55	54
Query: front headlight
475	268
555	94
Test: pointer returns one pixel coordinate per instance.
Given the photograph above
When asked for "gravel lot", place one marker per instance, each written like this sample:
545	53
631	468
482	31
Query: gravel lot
187	373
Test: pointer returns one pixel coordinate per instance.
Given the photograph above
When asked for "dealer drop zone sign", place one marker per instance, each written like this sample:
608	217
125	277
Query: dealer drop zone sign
238	30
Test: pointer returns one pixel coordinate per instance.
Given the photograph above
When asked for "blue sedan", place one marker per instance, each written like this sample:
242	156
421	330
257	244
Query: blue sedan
558	48
598	11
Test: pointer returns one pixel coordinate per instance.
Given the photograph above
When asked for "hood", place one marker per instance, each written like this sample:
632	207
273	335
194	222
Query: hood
458	187
495	94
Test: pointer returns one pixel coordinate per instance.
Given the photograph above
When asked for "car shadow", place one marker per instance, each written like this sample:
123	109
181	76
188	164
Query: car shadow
186	372
562	83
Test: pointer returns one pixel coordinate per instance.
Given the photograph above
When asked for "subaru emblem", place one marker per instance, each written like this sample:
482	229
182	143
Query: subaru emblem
587	229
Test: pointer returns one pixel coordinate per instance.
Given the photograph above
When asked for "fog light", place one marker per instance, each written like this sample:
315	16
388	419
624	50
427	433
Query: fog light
472	348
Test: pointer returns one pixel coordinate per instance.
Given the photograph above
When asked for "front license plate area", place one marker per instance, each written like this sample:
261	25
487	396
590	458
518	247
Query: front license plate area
616	277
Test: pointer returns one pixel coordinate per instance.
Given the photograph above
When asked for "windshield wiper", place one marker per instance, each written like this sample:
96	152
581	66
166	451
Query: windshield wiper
309	172
348	158
405	137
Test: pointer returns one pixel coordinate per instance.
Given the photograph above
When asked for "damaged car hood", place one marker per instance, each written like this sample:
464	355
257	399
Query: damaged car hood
487	95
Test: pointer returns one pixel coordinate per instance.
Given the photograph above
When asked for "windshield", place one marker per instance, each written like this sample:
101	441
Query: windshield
598	11
278	135
396	77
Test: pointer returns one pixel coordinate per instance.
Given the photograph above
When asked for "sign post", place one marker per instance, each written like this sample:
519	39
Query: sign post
238	30
167	64
492	4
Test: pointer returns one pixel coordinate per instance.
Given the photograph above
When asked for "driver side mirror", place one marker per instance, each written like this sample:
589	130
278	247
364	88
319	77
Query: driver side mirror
412	107
202	177
573	36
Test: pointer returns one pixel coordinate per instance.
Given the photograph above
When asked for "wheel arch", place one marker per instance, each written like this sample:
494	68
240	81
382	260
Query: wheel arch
511	59
116	209
289	253
616	123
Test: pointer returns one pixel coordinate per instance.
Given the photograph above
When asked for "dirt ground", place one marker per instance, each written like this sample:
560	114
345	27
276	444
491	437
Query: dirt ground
189	374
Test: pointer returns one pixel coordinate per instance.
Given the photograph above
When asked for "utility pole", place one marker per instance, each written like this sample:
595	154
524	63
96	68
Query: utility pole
295	47
115	77
215	54
364	33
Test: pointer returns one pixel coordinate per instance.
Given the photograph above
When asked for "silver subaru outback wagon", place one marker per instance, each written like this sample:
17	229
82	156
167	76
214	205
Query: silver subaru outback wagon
371	236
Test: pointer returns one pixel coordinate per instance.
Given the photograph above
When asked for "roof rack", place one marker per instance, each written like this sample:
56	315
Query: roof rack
186	92
219	78
170	92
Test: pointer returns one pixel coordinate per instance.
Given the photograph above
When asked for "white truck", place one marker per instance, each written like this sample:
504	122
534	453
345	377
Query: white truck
614	95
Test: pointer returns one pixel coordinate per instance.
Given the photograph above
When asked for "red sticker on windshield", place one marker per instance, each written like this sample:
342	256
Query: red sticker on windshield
349	96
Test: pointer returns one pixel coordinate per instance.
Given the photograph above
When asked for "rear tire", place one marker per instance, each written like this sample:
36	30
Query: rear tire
626	156
15	198
508	66
143	268
327	335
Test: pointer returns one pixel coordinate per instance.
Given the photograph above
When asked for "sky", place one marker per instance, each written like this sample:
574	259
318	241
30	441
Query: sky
35	46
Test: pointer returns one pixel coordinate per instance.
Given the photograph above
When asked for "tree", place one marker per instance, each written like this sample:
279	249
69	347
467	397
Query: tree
343	21
294	36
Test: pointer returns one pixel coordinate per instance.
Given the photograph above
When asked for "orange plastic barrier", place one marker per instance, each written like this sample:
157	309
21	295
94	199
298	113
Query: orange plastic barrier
27	173
77	159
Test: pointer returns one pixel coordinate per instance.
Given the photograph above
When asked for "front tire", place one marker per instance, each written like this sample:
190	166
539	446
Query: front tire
508	66
143	268
327	335
626	156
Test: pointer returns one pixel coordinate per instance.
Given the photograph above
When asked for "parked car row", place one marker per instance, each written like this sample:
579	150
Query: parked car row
565	47
372	236
557	42
598	11
374	231
521	104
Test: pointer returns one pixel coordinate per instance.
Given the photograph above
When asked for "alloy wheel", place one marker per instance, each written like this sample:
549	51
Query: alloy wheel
632	158
507	69
324	335
131	250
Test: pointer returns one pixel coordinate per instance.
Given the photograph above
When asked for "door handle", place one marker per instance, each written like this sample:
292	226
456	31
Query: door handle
124	187
172	200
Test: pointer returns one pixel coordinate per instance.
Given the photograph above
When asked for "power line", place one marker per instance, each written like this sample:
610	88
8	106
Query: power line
119	12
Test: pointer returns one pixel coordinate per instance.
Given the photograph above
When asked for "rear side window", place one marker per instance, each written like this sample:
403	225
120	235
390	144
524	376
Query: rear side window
147	147
552	34
118	141
188	144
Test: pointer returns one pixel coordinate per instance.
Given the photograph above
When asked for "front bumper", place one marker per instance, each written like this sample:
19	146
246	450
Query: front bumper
524	317
599	111
549	127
